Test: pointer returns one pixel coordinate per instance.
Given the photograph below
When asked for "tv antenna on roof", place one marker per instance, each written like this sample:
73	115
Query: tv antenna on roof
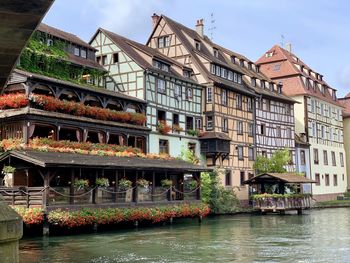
282	40
212	27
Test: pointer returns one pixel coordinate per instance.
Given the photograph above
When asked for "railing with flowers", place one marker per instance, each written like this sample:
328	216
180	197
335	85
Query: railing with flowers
281	201
91	216
48	103
163	127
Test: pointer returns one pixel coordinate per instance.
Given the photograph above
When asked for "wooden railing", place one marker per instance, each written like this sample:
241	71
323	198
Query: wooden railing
284	203
23	196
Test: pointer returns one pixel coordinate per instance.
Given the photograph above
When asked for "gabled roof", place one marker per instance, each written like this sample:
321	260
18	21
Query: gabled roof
214	135
132	49
184	33
63	35
291	178
290	74
55	159
345	102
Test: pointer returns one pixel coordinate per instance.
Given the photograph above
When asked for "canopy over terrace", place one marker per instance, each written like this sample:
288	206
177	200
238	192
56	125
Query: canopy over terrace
280	179
50	177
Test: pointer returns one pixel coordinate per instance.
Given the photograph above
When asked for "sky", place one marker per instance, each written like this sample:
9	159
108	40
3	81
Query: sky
317	29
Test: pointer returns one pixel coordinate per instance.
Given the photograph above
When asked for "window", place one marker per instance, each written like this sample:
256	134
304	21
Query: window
316	161
251	129
239	127
197	45
177	91
175	119
230	75
325	157
83	53
251	154
317	179
224	73
278	132
209	94
228	180
216	52
192	147
77	51
271	86
241	62
163	41
161	88
212	69
218	71
161	115
239	78
267	105
335	180
326	179
163	147
262	129
314	130
225	124
239	101
250	104
242	177
269	54
104	60
264	153
189	123
262	84
240	152
115	58
224	97
322	132
209	122
233	59
289	133
49	42
257	68
341	157
250	66
331	135
235	78
253	82
189	94
276	67
98	59
302	157
198	123
186	73
334	163
161	66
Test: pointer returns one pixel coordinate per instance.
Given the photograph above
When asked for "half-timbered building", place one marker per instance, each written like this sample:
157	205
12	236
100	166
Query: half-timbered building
318	117
170	89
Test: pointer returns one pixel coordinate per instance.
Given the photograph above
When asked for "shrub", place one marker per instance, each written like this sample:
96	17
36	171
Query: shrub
102	182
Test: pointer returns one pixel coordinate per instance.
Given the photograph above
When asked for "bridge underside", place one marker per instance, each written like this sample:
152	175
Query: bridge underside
18	20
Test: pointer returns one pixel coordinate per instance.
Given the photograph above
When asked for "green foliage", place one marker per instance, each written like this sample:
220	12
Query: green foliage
193	132
166	183
81	184
124	184
102	182
190	184
8	169
220	199
52	61
279	196
189	156
275	164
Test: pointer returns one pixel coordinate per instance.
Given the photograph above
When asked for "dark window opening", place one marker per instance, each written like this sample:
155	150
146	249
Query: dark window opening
163	147
161	115
189	123
72	135
228	178
43	132
115	58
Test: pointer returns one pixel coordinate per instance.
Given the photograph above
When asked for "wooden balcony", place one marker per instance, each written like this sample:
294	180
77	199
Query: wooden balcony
281	204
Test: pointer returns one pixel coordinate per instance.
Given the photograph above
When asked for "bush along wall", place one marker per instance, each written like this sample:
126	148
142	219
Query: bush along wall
68	219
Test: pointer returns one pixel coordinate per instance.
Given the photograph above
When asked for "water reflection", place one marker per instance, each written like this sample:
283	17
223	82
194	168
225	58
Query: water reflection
320	236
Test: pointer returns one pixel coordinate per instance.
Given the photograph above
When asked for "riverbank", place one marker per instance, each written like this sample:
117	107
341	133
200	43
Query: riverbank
332	204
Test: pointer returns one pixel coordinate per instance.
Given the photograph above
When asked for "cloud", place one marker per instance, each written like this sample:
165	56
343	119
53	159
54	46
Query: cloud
131	18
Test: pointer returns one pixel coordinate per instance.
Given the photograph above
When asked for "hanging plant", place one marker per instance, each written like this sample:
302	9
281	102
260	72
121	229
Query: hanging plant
166	183
177	128
80	184
8	169
124	184
102	182
163	127
143	183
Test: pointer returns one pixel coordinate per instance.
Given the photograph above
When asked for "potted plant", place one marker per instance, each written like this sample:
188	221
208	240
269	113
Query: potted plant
177	128
163	127
8	171
143	185
80	184
124	184
166	183
193	132
102	182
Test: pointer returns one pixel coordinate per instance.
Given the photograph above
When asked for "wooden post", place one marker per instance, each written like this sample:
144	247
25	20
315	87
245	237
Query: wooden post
135	189
171	189
28	197
46	191
95	189
198	178
153	184
116	187
71	190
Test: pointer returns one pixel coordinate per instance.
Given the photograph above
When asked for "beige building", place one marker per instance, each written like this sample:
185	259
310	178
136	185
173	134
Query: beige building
318	116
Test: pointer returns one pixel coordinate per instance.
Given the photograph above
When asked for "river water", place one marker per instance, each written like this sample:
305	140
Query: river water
315	236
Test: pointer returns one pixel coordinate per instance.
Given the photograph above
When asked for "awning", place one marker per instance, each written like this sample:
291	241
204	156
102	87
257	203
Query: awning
59	160
289	178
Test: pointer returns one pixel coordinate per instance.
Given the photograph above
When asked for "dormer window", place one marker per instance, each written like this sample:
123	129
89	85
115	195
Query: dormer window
323	89
271	86
233	59
269	54
334	95
241	63
250	66
253	82
163	41
257	68
161	65
279	88
216	52
262	84
197	45
186	73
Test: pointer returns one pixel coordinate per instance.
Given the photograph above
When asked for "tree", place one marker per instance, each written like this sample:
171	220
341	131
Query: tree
276	164
189	156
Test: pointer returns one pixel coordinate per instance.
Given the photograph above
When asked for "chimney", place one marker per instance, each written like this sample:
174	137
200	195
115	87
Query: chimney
289	47
200	27
155	19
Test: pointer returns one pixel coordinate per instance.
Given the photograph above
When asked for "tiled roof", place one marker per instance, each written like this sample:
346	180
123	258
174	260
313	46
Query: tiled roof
184	33
290	74
131	48
63	35
215	135
279	177
345	102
